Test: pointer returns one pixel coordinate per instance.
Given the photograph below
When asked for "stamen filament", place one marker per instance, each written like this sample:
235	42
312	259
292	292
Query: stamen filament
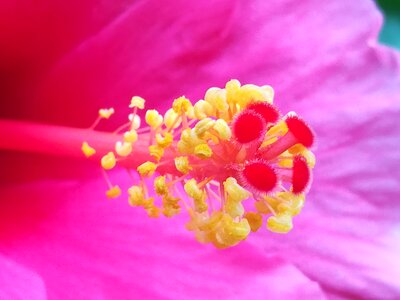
95	123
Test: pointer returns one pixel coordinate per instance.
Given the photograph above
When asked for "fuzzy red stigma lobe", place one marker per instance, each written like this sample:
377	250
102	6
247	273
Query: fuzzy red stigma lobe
248	126
269	112
260	176
301	174
300	129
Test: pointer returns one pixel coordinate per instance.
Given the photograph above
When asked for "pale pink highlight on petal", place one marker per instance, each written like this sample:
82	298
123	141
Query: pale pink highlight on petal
19	283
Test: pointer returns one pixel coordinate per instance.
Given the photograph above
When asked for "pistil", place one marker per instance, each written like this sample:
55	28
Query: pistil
229	148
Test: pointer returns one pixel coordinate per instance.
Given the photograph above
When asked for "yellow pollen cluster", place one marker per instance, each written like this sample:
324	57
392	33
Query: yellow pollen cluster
106	113
87	150
196	165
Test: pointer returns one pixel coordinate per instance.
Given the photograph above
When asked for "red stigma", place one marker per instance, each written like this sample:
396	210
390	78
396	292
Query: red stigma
260	176
300	130
301	174
248	126
269	112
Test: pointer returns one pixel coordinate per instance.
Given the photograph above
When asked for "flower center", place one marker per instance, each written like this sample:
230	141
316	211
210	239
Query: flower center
230	147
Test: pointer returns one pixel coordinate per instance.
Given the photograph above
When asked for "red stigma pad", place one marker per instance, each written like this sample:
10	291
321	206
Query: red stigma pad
260	176
300	129
269	112
248	126
301	174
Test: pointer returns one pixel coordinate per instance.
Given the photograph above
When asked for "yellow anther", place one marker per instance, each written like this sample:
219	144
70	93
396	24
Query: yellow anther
232	88
137	101
300	149
203	151
254	219
285	160
113	192
106	113
108	161
188	141
123	149
147	168
171	119
205	227
268	93
297	149
250	93
181	105
200	204
279	129
189	136
203	109
234	191
153	118
234	195
130	136
202	126
209	136
190	113
273	203
223	129
152	210
274	132
211	223
234	209
164	141
268	141
171	201
217	98
205	237
160	186
281	223
169	212
87	150
292	204
197	194
170	206
156	151
135	121
182	164
136	196
184	147
230	233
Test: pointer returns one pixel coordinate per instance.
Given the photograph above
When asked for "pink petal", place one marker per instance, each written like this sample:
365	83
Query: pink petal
17	282
183	48
360	158
34	36
85	246
351	255
344	84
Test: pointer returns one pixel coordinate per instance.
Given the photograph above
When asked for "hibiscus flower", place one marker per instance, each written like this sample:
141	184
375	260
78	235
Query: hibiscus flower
61	239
